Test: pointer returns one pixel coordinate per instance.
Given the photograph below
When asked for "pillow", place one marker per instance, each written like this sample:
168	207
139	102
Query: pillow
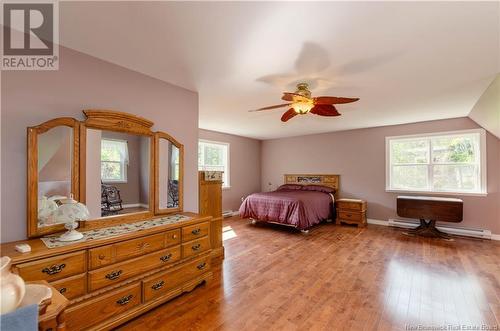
289	187
318	188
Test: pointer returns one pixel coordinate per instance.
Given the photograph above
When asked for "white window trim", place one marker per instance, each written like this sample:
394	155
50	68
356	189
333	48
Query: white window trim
483	162
225	186
124	180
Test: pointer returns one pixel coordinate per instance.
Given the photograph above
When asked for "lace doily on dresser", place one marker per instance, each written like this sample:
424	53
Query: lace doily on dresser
53	241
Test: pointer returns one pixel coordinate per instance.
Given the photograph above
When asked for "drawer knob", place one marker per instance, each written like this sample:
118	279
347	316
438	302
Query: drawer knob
165	258
158	285
114	275
201	266
123	301
349	215
196	231
55	269
101	256
63	290
174	236
196	247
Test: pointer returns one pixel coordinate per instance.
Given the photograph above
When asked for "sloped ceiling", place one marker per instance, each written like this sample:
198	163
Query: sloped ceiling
486	111
406	61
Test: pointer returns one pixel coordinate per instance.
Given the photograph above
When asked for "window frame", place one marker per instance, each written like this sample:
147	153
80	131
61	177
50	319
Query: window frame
226	184
482	162
123	167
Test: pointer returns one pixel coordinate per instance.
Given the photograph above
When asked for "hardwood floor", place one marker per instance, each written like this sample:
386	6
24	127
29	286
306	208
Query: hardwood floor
339	278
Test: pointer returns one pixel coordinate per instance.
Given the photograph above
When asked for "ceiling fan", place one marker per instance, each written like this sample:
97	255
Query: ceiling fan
301	103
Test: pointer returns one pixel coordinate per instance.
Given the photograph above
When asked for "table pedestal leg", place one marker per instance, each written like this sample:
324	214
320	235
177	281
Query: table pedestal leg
427	229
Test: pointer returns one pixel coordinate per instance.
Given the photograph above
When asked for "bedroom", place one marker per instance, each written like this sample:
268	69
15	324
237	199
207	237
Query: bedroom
428	88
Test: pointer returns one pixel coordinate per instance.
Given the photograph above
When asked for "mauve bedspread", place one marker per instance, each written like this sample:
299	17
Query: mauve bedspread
301	209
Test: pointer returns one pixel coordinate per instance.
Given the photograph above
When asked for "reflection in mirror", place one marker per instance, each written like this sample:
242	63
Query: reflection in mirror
55	153
168	180
117	173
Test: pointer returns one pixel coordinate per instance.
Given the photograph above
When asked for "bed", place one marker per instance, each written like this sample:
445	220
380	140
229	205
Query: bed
302	202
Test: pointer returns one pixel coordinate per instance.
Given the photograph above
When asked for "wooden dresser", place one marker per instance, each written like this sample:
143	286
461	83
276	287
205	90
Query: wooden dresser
210	204
109	281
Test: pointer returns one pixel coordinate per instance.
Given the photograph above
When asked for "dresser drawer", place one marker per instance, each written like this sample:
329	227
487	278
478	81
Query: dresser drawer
110	254
351	216
351	205
101	256
172	237
103	307
72	287
121	271
195	247
195	231
158	285
53	268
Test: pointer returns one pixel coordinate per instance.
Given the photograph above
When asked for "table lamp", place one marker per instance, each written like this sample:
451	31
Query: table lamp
69	213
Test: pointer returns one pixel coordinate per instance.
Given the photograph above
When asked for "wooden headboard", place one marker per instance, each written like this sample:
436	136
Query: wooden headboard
332	181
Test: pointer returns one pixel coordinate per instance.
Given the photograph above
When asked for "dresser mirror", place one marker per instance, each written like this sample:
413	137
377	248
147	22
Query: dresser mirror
112	162
117	173
168	174
52	171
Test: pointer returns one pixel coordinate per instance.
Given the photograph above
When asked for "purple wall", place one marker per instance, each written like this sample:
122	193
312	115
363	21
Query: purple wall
359	157
82	81
244	163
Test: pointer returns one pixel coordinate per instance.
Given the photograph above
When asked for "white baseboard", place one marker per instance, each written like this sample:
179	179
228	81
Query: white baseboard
230	213
467	232
377	222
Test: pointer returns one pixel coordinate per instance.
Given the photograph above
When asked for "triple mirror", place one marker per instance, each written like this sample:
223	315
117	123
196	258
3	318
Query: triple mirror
168	173
112	162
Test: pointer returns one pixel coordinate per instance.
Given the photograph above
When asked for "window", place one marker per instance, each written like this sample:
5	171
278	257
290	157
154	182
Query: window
114	161
449	162
214	156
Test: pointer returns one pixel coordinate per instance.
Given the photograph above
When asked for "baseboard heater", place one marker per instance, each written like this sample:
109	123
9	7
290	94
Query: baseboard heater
459	231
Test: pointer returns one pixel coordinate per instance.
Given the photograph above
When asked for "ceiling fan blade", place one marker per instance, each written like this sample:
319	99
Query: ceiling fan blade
333	100
270	107
294	97
288	115
324	110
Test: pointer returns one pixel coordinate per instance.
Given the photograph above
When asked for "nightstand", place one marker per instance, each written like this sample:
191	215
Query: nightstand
351	211
53	319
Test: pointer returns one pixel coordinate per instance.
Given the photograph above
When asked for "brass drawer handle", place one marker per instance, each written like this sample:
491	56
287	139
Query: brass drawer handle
196	247
165	258
201	266
349	215
196	231
114	275
158	285
55	269
101	256
63	290
123	301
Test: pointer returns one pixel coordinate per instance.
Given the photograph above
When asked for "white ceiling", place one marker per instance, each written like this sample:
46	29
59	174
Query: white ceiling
406	61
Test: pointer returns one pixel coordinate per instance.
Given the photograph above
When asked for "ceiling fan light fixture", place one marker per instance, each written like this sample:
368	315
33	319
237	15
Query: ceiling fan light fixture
302	107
